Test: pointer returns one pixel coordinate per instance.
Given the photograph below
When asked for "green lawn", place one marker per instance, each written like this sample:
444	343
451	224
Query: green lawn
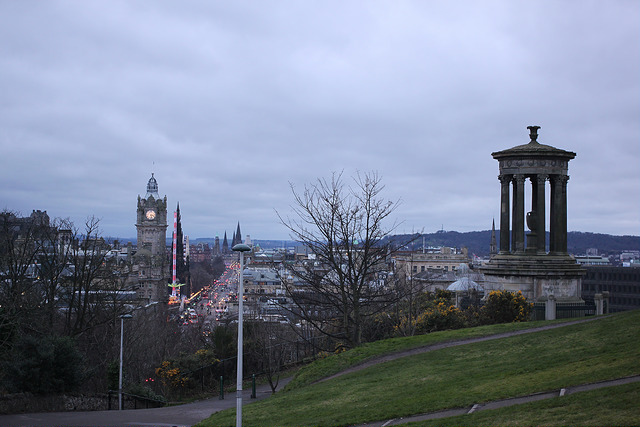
454	377
339	362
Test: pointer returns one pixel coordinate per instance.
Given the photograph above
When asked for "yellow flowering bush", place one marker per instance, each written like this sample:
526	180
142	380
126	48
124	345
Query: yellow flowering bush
171	375
440	317
506	307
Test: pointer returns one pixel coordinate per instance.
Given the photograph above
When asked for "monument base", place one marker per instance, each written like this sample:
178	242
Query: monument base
536	276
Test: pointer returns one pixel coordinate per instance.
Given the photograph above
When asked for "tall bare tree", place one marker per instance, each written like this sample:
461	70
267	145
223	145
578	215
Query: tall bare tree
344	228
269	347
93	291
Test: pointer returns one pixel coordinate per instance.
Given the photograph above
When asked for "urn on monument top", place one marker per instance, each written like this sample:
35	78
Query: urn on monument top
533	158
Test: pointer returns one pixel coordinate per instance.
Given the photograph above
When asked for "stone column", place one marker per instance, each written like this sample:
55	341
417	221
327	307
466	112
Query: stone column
563	215
532	217
541	210
505	180
558	232
553	213
518	214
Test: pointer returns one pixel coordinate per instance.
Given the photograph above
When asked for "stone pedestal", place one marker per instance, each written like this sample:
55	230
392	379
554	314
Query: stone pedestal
536	275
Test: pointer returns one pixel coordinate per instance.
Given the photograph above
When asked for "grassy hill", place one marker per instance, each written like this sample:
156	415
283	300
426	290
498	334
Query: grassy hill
461	376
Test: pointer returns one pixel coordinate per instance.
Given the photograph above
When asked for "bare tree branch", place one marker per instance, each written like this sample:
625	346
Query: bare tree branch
343	227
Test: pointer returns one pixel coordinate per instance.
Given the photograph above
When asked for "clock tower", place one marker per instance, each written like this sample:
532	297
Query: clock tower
151	255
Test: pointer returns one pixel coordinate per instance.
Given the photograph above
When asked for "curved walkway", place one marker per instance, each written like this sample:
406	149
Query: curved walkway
503	403
455	343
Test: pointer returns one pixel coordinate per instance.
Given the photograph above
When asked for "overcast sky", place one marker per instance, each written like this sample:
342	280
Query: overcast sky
228	102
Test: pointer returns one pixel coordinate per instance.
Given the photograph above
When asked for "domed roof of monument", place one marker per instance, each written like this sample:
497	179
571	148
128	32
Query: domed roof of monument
533	148
464	284
152	188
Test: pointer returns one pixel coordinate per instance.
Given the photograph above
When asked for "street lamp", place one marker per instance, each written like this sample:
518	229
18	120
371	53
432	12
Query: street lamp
242	248
122	317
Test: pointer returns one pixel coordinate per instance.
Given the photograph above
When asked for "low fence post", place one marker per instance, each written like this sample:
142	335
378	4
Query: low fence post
550	308
597	298
253	386
221	387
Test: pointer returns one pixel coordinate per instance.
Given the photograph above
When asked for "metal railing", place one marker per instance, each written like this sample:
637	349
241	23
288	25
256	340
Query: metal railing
566	310
134	401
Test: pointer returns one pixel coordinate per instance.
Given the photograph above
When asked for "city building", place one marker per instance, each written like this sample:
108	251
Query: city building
150	262
592	260
621	283
440	260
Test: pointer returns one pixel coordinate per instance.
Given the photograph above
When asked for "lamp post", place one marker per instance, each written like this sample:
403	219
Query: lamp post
242	248
122	317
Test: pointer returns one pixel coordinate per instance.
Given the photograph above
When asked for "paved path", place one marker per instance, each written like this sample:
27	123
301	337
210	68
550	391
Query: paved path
172	416
502	403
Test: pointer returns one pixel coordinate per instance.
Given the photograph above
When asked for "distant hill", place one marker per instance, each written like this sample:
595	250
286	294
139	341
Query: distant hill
478	241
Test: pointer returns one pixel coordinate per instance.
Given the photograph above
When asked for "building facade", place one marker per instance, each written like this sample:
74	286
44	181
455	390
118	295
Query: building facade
622	284
439	260
150	262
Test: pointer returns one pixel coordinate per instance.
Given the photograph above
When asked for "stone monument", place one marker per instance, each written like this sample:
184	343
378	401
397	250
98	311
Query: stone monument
525	264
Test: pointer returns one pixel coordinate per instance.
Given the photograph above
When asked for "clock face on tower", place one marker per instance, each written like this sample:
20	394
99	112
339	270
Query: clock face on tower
151	214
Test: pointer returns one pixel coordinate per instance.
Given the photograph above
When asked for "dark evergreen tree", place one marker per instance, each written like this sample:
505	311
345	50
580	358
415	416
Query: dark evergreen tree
182	267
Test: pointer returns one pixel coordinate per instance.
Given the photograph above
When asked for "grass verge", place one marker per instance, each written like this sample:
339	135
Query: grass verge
455	377
336	363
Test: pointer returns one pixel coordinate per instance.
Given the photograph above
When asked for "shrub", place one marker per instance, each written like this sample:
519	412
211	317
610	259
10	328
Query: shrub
48	364
171	375
506	307
113	375
144	391
440	317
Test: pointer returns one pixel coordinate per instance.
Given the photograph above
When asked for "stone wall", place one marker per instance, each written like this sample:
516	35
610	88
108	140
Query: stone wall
27	402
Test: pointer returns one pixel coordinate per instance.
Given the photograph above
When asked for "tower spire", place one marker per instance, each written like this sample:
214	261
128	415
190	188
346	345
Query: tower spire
237	237
493	246
152	188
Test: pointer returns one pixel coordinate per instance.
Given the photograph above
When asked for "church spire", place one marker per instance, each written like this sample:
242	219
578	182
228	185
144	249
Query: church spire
237	237
225	244
493	246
